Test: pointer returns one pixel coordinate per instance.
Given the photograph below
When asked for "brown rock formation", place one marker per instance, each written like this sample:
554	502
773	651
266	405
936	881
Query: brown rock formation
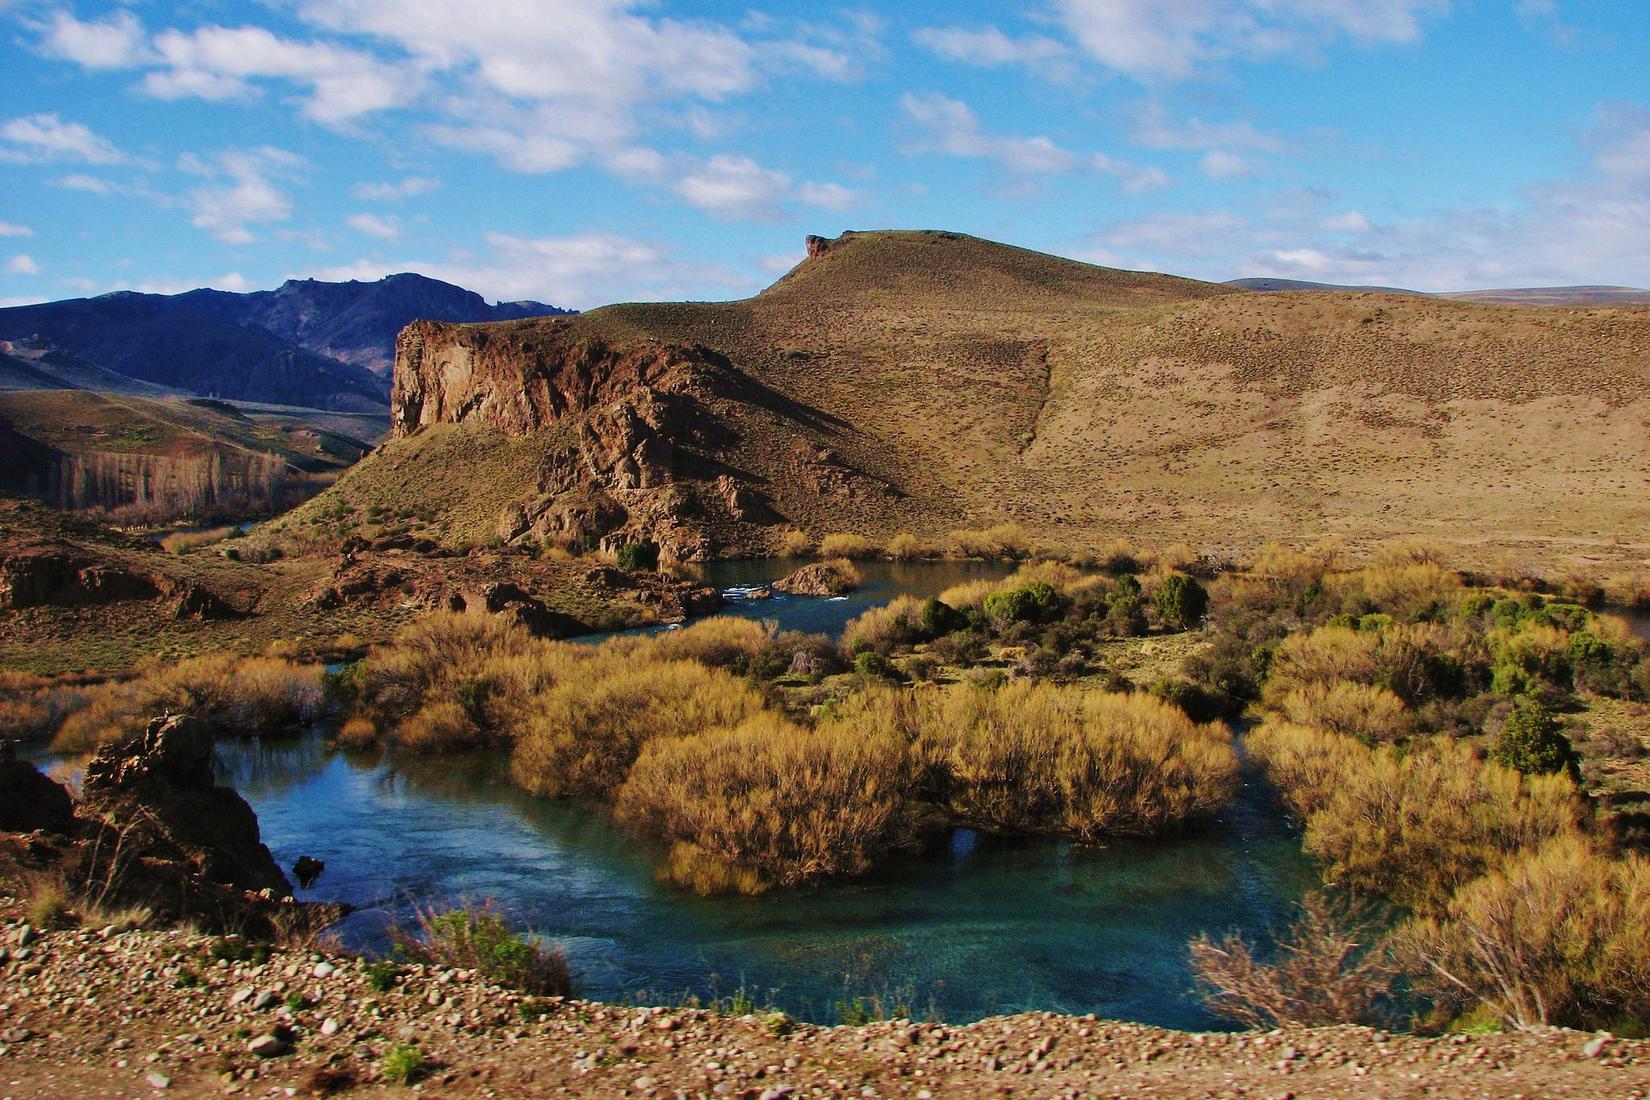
822	578
157	788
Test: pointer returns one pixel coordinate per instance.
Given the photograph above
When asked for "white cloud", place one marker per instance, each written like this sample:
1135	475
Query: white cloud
1176	39
829	196
1350	221
949	126
387	229
11	229
241	190
22	264
76	181
220	63
45	137
21	300
1584	230
990	47
734	188
1218	164
397	190
116	42
578	271
1150	125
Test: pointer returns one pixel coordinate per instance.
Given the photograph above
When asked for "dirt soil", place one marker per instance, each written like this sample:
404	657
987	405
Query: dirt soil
152	1014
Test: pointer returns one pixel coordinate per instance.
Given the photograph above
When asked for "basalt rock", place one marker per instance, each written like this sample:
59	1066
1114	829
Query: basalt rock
29	800
157	791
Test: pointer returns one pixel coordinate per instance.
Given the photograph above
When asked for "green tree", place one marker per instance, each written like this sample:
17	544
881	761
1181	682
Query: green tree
1182	601
1532	741
639	557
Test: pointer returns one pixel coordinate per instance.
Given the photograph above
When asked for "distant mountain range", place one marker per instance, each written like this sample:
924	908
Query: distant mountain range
311	343
1526	296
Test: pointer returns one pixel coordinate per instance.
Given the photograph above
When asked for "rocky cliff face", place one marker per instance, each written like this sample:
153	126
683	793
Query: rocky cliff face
635	433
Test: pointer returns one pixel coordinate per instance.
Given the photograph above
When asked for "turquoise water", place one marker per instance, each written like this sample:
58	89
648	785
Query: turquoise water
881	581
984	926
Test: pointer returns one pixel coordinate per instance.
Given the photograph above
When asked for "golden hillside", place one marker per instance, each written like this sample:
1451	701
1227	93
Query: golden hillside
925	381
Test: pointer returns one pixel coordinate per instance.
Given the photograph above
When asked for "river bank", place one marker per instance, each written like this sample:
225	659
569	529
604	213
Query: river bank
150	1013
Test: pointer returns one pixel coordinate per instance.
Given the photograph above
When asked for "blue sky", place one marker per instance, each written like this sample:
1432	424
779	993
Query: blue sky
585	151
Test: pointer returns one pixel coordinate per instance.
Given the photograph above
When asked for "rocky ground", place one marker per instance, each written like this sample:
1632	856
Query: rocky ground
145	1014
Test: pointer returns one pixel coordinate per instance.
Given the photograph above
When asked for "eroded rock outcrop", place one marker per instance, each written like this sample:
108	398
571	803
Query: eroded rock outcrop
635	433
822	578
157	790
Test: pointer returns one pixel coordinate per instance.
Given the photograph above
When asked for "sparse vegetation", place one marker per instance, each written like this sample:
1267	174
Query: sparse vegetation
478	938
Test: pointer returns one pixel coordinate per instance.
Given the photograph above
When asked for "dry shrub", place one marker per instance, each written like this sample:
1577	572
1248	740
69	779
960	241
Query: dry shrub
842	545
969	594
580	737
358	733
1329	968
179	542
1414	825
908	547
1329	655
767	801
33	707
1406	590
1003	540
240	695
725	641
1409	551
884	629
1629	590
1040	757
1287	569
1119	556
1559	937
1371	714
1177	557
795	544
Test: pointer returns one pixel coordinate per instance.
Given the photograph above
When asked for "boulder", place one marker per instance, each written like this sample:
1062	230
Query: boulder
29	800
158	787
823	578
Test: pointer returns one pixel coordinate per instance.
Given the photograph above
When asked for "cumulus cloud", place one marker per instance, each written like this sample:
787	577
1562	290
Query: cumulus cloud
11	229
734	188
397	190
949	126
221	62
22	264
1154	40
116	42
829	196
1219	164
242	190
38	138
373	225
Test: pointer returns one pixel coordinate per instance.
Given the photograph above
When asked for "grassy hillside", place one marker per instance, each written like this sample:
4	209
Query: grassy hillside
979	382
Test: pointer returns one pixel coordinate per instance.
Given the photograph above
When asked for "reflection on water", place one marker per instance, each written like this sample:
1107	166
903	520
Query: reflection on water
984	926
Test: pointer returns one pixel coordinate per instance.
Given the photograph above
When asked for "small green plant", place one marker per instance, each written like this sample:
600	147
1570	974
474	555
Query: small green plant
188	979
479	938
853	1013
779	1024
403	1063
296	1002
741	1004
382	975
872	665
639	557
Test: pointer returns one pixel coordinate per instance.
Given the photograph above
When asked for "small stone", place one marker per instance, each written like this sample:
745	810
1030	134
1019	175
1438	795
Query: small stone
642	1084
16	1035
26	935
329	1026
158	1080
666	1023
778	1092
325	969
267	1046
241	996
1595	1046
264	1000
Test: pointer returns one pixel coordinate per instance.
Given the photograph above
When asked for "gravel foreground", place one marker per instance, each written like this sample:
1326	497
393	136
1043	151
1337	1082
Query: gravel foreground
152	1014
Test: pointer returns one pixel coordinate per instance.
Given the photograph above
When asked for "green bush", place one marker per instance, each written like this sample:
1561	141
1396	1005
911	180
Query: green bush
937	618
639	557
872	664
1182	601
1532	741
478	938
403	1063
1037	602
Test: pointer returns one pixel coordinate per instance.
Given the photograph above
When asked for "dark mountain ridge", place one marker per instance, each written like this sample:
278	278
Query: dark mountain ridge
308	342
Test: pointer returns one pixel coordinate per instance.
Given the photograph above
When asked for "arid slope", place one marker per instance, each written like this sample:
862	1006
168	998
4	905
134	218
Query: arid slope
926	381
